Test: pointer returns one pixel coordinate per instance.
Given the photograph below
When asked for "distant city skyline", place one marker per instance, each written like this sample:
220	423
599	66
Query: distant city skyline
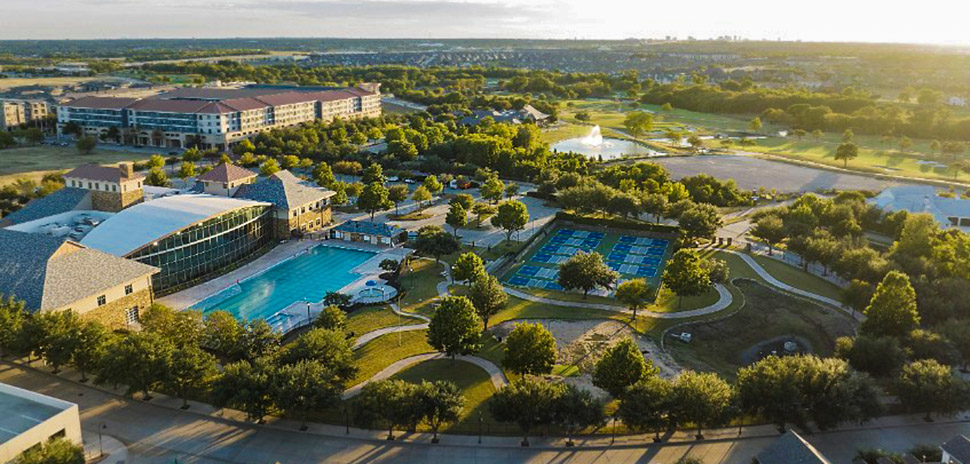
929	22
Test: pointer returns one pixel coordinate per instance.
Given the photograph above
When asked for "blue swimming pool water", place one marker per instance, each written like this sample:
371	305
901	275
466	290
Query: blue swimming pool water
307	277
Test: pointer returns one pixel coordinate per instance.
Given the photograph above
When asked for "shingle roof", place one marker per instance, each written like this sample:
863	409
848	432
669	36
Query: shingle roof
227	172
63	200
284	190
959	448
791	448
371	228
169	106
102	173
48	272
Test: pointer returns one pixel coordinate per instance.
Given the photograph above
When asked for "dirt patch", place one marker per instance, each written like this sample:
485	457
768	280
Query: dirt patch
582	343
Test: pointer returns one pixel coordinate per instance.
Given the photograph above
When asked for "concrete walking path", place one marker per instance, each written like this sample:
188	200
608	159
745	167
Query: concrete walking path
496	374
370	336
724	300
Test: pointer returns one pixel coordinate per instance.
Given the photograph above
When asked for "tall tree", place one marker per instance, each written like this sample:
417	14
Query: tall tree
12	318
397	194
638	122
930	387
304	387
526	402
621	366
457	217
701	399
586	271
511	216
530	349
92	340
441	403
392	403
574	409
433	240
492	189
374	198
468	267
634	293
699	221
432	184
646	405
247	387
373	173
330	348
488	296
892	310
686	275
847	151
323	175
139	360
771	229
421	195
189	371
455	329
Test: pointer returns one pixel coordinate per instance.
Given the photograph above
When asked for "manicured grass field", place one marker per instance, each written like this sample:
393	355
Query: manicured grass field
34	161
718	346
609	114
796	277
420	285
369	319
386	350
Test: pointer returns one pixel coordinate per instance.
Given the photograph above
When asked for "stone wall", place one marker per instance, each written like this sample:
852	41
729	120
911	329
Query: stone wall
115	201
112	314
283	227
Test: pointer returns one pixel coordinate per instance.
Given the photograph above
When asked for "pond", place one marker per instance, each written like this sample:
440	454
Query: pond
596	146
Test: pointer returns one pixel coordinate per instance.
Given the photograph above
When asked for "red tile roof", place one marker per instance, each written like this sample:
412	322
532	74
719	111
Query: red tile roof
226	172
101	103
287	98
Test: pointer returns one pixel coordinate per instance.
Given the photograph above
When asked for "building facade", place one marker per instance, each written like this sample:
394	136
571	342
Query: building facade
112	189
30	419
298	207
17	112
212	117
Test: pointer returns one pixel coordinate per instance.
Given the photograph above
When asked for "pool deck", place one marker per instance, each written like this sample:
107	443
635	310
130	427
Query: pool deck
287	250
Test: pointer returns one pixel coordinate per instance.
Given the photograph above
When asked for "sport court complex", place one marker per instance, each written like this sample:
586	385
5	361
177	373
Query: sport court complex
633	254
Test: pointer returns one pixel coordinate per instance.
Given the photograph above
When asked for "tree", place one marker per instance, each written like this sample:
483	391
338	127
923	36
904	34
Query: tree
432	184
646	404
433	240
755	125
139	360
323	175
465	200
331	348
181	328
892	310
92	340
488	296
846	152
389	402
457	217
340	300
402	150
695	142
55	451
397	194
331	318
373	198
482	211
86	144
958	332
638	122
60	330
905	143
702	399
374	173
247	387
221	334
511	216
492	189
771	229
879	356
468	267
586	271
701	220
511	190
667	107
621	366
157	177
526	402
455	329
953	149
189	370
269	167
929	386
303	387
960	166
634	293
718	270
800	133
529	349
421	195
574	409
623	204
441	402
654	204
186	170
685	275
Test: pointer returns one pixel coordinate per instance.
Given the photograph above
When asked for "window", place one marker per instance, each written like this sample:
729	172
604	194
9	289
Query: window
131	315
128	289
102	300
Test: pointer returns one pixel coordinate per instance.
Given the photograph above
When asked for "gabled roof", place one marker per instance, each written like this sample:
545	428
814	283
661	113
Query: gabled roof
922	199
372	228
227	172
102	173
61	201
530	110
48	272
959	448
791	448
284	190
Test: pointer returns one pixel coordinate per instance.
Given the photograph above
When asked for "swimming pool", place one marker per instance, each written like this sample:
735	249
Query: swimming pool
307	277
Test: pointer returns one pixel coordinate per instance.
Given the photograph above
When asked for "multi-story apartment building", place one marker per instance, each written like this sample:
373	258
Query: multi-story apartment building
11	115
213	117
17	112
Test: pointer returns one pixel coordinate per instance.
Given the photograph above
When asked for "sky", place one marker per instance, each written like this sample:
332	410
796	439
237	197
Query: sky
926	21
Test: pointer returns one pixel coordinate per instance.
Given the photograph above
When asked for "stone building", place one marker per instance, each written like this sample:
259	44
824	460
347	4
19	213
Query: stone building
298	207
225	179
112	189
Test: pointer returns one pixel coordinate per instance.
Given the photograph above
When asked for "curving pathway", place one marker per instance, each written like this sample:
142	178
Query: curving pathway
369	336
498	377
724	300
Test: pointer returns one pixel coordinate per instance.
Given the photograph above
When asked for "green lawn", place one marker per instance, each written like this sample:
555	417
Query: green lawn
369	319
384	351
718	346
474	382
34	161
421	286
796	277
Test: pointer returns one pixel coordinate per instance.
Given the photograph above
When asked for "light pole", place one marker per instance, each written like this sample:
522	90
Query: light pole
480	423
613	435
100	444
308	313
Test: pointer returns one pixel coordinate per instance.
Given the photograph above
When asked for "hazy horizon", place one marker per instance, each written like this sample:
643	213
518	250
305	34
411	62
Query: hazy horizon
936	22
